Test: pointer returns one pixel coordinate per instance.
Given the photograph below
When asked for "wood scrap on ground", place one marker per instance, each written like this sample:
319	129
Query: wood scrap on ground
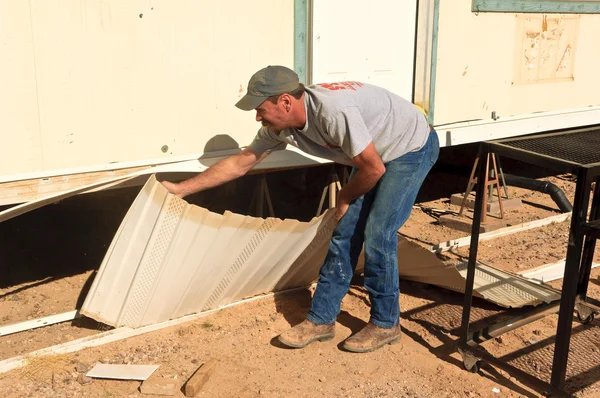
200	378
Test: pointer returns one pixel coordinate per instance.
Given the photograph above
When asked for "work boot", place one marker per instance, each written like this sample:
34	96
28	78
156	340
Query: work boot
305	333
372	337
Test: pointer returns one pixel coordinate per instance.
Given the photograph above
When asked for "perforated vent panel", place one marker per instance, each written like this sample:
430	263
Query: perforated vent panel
151	262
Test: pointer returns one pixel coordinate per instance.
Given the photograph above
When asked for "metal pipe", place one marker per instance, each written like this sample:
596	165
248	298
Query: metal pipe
541	186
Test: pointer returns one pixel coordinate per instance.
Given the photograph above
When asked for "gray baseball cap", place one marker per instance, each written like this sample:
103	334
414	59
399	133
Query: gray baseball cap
267	82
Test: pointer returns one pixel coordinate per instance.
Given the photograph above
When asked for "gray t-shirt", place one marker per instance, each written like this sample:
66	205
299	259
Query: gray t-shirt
343	118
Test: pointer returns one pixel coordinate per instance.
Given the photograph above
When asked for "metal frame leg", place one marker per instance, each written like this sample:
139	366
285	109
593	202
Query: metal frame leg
477	215
502	176
469	186
589	247
569	292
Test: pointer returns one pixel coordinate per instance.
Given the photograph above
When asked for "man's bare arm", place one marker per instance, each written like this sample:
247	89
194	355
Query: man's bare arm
370	169
221	172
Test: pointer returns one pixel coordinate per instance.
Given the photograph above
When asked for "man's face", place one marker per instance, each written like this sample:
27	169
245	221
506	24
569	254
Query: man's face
273	116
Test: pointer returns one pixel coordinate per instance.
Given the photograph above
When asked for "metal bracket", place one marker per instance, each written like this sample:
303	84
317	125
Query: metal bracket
583	310
469	360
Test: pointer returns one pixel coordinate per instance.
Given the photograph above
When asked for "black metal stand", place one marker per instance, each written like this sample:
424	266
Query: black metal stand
576	152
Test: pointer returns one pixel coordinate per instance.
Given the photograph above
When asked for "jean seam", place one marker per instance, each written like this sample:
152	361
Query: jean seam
385	325
316	321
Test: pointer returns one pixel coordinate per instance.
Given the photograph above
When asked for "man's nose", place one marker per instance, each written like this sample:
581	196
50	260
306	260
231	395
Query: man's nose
258	117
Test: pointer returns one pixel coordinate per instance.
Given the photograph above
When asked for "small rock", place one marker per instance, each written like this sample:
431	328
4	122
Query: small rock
83	379
81	367
194	361
322	379
261	392
273	317
537	332
499	340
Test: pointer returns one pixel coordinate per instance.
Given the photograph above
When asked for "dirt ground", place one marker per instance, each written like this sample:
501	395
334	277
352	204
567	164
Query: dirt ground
250	362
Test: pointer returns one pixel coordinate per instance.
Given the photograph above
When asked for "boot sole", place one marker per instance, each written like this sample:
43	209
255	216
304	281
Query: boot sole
395	340
299	345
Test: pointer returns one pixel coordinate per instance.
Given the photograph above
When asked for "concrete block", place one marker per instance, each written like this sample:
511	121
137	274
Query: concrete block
159	386
465	224
493	207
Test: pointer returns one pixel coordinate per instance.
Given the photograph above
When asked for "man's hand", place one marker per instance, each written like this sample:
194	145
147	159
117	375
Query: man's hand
370	169
341	207
173	188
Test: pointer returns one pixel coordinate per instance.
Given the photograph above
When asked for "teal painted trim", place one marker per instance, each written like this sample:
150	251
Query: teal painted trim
300	40
542	7
434	52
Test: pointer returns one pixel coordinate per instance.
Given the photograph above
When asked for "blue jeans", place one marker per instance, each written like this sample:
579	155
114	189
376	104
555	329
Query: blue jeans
373	219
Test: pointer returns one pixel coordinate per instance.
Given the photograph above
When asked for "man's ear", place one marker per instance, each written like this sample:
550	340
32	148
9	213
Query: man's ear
286	100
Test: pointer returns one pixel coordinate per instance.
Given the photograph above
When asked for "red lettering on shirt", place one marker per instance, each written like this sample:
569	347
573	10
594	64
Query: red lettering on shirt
341	86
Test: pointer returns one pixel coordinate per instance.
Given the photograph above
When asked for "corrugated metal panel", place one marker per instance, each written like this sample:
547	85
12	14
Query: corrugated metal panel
169	259
508	290
418	264
502	288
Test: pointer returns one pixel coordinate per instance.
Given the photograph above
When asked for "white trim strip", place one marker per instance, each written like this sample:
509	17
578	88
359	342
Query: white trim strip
291	154
118	334
513	126
548	272
466	241
37	323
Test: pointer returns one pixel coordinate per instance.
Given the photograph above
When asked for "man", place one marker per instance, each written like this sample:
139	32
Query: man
391	147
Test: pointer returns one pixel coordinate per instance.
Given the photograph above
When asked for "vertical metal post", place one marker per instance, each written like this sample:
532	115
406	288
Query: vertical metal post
589	246
491	186
497	187
260	200
332	193
479	206
484	182
502	175
301	24
569	291
469	186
